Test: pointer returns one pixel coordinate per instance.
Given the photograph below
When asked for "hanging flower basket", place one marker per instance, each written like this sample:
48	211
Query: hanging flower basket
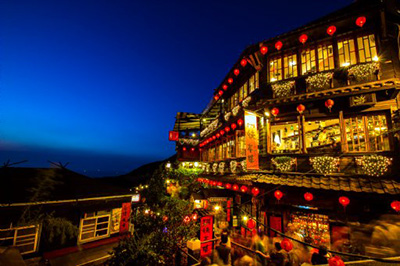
364	72
246	101
282	89
374	165
236	110
320	81
233	166
243	164
283	163
215	167
221	168
325	164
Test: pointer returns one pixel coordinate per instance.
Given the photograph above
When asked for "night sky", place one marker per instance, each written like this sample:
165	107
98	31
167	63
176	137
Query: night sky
98	83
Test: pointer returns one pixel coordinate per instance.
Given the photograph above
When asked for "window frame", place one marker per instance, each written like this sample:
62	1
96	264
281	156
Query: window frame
96	218
310	50
17	238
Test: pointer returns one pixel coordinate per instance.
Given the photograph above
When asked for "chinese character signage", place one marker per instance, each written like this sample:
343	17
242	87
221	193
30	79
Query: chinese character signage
115	220
206	233
251	132
125	214
173	135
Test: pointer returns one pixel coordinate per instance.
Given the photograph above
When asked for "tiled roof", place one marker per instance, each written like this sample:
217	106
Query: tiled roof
338	183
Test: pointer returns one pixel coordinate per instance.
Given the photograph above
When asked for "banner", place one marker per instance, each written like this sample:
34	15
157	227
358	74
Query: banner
251	134
206	233
125	214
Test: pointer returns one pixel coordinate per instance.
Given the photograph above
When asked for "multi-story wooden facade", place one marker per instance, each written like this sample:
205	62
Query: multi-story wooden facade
314	110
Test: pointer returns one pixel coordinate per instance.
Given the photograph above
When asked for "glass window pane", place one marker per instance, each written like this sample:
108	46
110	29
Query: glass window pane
322	135
285	138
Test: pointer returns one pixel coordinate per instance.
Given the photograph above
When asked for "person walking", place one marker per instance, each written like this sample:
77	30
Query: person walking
222	253
320	257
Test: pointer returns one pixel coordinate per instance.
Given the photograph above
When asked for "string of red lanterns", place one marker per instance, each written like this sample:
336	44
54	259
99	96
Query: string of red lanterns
255	191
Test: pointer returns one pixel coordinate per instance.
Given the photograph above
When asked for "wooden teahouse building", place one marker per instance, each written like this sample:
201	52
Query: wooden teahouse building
308	121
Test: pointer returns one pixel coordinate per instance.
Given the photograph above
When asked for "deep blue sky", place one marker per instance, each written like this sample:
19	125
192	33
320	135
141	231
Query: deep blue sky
98	83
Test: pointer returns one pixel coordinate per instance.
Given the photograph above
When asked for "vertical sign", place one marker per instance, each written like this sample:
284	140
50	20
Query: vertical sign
125	214
251	134
206	233
275	222
228	210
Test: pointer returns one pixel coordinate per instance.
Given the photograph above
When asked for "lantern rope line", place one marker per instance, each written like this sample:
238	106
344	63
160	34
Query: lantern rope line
313	246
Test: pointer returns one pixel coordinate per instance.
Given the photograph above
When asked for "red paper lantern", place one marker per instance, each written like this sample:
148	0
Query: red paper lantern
224	87
186	219
240	122
286	244
219	184
251	224
165	218
227	129
278	45
221	92
255	191
192	149
216	97
214	137
331	30
233	126
329	104
184	148
278	194
308	196
228	186
173	135
235	187
194	216
303	38
218	135
214	183
243	62
263	49
243	189
300	108
230	80
395	205
344	201
275	111
360	21
236	72
335	261
222	132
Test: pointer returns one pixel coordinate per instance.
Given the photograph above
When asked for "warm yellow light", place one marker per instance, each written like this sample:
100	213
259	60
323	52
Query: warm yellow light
204	120
196	164
245	218
197	201
183	164
194	135
168	165
146	186
167	181
217	207
267	114
345	64
375	58
273	79
147	211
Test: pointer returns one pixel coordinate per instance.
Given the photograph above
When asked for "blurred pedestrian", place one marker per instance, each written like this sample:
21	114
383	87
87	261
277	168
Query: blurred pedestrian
222	253
277	255
320	257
